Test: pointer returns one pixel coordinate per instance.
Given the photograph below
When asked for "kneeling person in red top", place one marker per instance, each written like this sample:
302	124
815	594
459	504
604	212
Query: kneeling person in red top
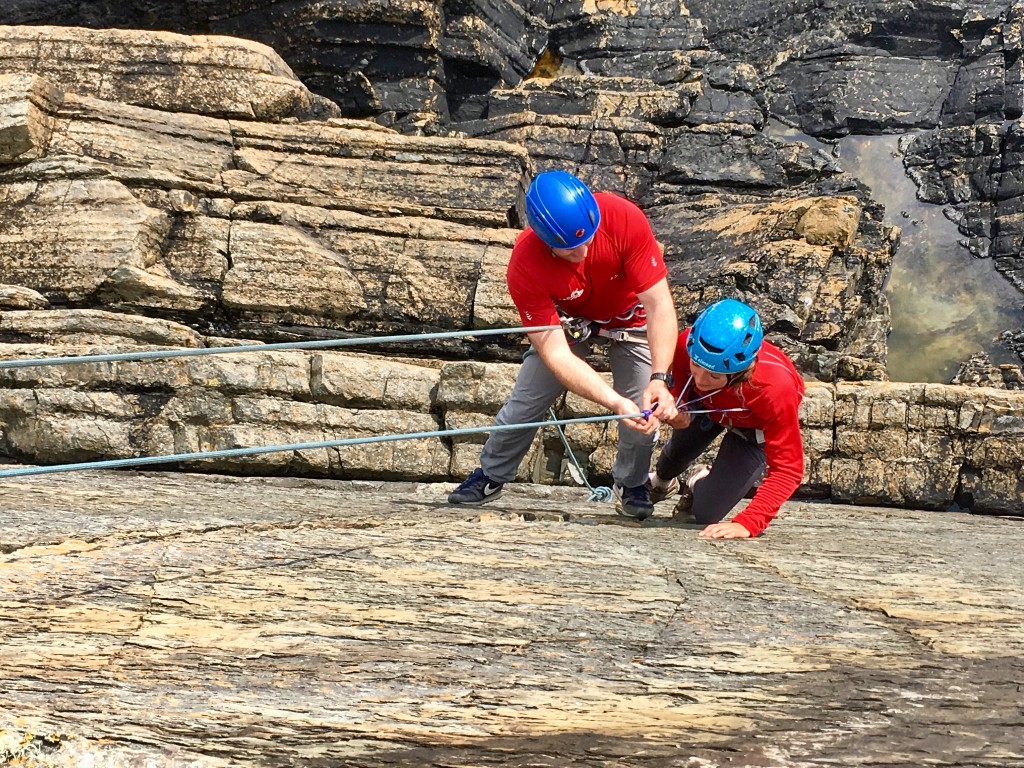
723	365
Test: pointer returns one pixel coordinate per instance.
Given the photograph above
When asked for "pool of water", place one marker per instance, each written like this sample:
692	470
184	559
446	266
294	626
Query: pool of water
946	304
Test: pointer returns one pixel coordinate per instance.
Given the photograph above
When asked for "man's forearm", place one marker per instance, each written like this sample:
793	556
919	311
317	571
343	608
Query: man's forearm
662	326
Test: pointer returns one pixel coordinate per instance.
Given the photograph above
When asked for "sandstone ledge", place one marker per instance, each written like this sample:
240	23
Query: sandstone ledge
907	445
182	620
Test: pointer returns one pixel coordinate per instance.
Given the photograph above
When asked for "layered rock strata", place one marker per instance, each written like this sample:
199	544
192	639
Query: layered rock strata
199	230
170	620
914	445
257	228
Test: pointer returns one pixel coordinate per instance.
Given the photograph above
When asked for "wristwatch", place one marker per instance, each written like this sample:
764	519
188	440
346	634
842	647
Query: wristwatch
666	377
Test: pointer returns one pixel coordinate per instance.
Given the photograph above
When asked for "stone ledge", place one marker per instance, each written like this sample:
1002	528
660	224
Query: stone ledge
203	620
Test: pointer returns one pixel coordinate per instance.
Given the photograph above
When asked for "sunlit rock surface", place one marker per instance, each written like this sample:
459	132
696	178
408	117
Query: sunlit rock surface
187	620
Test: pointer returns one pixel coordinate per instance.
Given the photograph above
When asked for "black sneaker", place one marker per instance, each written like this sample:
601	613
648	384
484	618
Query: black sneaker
633	502
478	488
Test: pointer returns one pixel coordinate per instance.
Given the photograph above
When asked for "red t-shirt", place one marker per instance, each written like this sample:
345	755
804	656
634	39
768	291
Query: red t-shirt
772	399
623	260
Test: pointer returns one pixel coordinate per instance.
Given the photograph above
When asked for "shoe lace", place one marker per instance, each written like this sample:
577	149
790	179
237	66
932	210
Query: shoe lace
476	478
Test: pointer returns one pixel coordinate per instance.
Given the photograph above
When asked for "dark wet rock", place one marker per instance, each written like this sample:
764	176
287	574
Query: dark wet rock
1014	340
978	92
733	158
835	68
979	371
978	171
850	91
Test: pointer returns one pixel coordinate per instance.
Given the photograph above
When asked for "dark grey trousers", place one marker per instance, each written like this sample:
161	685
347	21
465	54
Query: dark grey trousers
536	390
739	464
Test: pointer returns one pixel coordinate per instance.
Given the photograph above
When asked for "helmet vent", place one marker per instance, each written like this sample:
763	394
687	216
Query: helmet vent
711	347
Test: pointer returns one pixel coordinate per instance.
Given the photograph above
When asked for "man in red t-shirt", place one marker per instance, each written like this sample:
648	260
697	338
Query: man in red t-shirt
723	365
591	262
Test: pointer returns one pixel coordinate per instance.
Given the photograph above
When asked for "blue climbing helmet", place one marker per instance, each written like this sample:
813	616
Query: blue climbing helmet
726	337
561	210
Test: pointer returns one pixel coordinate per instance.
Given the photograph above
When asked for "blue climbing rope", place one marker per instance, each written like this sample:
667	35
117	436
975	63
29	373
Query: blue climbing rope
235	452
601	492
155	354
596	494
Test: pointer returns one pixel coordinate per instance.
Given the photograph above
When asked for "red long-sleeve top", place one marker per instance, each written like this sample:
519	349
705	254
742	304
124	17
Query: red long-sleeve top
772	401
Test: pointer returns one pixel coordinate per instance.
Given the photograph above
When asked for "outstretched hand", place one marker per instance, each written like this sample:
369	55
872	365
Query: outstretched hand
725	531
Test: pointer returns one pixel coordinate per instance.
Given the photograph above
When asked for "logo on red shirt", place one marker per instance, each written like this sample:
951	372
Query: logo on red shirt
574	295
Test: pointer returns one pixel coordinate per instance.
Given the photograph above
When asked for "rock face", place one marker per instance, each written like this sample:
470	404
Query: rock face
980	371
339	225
977	170
179	620
919	446
220	76
347	226
264	171
144	209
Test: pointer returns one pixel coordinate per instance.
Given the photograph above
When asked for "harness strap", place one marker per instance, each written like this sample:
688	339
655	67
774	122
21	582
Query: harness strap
622	334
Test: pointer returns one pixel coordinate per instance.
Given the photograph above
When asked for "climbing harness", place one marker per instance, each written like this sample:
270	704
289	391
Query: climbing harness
579	329
622	334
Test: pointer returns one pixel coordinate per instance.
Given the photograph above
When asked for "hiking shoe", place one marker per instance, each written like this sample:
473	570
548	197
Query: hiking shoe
683	511
633	502
698	474
478	488
660	494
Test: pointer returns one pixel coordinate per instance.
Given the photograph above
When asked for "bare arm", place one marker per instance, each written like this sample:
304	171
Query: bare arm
579	378
662	332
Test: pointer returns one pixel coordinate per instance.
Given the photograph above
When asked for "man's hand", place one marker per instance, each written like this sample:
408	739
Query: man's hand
639	423
725	531
659	400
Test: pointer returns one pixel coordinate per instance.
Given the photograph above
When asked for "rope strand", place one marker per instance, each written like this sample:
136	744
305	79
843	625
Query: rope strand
156	354
236	452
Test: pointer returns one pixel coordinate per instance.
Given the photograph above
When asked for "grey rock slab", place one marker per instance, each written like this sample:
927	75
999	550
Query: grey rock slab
200	620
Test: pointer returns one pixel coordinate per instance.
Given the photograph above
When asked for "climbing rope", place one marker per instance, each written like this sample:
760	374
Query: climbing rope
236	452
155	354
602	492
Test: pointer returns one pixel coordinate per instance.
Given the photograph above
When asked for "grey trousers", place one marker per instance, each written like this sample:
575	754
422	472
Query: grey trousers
536	390
739	464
